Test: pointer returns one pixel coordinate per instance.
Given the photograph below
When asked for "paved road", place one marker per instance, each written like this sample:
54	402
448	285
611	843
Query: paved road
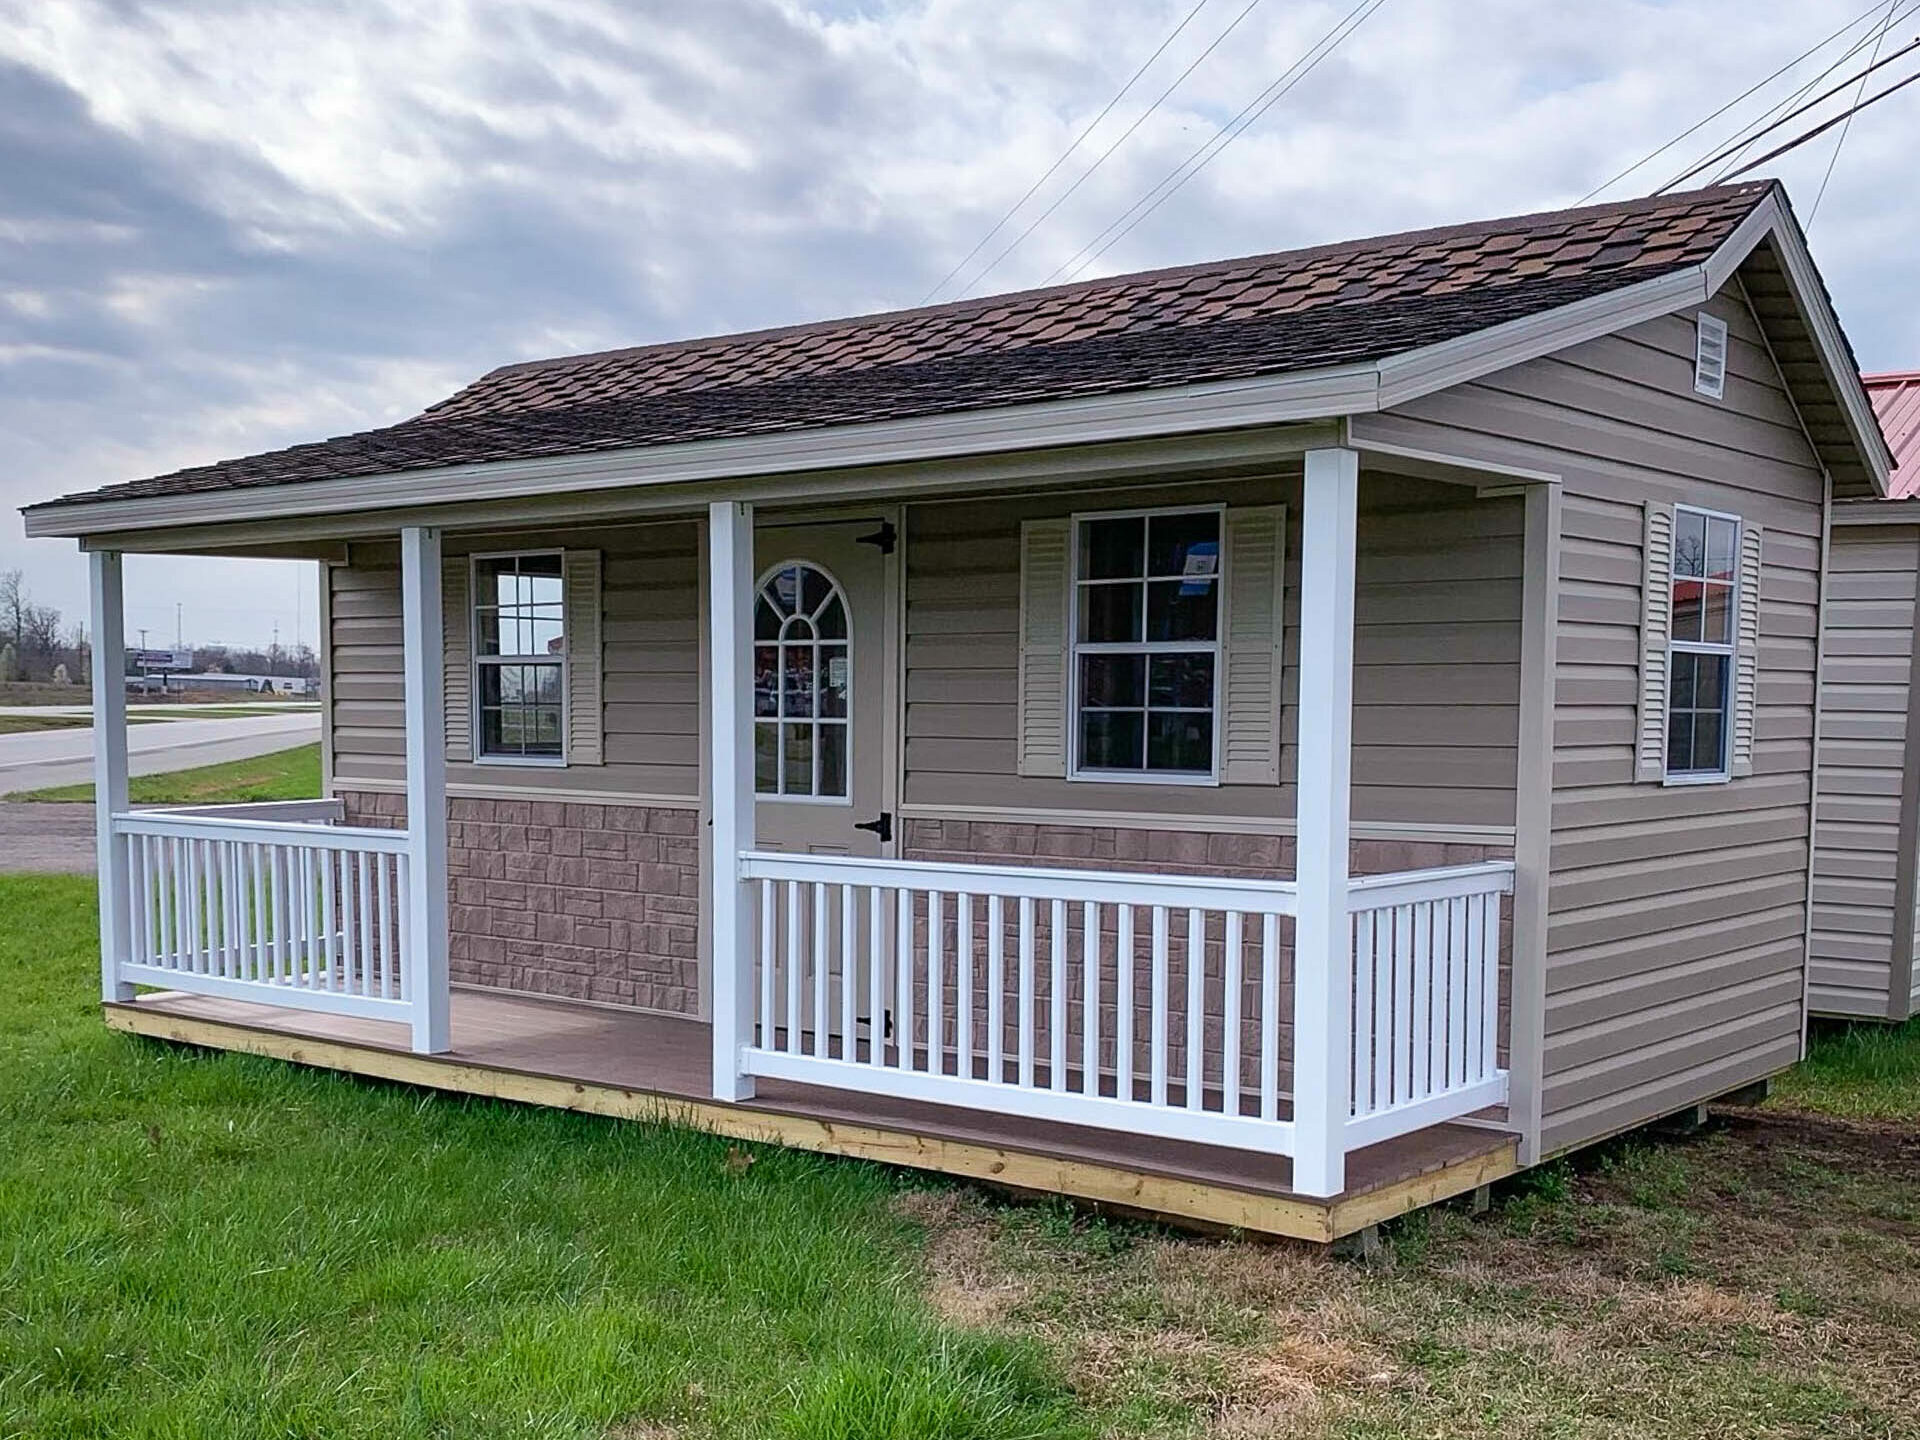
41	758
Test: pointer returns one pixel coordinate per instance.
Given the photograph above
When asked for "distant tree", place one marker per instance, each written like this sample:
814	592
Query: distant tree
9	661
13	607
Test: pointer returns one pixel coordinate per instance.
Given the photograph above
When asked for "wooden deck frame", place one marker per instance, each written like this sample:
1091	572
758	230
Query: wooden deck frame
1135	1188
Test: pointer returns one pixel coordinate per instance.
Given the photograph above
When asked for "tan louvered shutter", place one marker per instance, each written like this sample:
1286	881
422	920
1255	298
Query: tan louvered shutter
1256	560
456	647
585	727
1746	661
1042	742
1656	624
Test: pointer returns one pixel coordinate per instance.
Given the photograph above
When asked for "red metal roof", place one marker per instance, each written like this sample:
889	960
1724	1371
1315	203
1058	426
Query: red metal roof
1896	403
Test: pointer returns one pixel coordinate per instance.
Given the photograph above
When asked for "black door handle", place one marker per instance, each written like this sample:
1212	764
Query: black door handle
883	827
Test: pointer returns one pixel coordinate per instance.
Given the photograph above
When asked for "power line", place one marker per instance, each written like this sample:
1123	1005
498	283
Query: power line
1825	126
1733	150
1087	174
1079	140
1840	144
1700	125
1160	193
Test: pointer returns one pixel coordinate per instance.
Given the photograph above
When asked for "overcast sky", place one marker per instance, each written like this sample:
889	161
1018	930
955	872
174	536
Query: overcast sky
226	227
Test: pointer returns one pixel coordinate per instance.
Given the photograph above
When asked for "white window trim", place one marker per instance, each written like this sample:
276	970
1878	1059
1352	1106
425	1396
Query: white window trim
476	661
1731	649
846	604
1209	777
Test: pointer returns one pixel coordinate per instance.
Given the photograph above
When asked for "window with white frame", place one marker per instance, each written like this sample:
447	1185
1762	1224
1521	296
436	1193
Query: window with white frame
802	685
520	656
1146	644
1700	644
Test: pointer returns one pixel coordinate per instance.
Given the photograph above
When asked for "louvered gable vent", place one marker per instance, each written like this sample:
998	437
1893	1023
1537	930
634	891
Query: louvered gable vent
1710	356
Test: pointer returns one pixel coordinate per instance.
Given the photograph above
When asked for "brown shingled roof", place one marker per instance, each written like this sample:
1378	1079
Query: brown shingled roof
1332	305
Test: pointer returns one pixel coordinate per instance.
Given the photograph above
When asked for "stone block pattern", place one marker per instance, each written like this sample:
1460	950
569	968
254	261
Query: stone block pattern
579	901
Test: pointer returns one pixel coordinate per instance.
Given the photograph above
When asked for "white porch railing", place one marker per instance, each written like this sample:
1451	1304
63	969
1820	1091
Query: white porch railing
287	910
1151	1004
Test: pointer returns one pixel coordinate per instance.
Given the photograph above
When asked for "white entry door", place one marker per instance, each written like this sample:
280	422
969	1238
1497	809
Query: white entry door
819	717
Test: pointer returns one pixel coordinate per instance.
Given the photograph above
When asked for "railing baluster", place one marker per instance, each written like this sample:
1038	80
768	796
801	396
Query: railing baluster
386	929
1230	1036
996	990
1403	1003
1363	1017
1089	998
963	985
329	897
1158	1033
1476	984
1421	1079
195	906
1123	1002
1057	995
1457	962
1196	1009
903	978
769	963
365	948
309	917
849	971
256	856
1490	984
822	1016
1270	1017
1026	992
876	975
792	917
936	983
1382	946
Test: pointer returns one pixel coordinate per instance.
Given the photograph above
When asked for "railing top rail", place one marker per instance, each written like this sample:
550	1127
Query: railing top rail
266	832
1207	892
1369	892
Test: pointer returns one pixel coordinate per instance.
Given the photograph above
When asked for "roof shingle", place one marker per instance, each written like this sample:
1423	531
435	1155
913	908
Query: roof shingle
1307	309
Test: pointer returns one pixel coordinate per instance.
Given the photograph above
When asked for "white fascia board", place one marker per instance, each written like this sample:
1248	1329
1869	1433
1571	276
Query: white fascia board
1454	362
1770	219
1184	409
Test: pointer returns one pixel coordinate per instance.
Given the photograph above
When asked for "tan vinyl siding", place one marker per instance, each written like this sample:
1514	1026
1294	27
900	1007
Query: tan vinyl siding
1677	915
1436	681
650	638
1859	848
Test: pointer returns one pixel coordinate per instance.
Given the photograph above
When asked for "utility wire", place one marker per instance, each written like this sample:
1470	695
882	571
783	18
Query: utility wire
1087	174
1164	190
1733	150
1744	94
1078	141
1822	128
1841	143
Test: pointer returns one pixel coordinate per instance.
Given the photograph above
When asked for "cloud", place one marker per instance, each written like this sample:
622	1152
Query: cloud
230	226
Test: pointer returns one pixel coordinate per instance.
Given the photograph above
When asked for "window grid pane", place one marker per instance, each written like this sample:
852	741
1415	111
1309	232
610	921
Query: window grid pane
802	685
519	622
1147	607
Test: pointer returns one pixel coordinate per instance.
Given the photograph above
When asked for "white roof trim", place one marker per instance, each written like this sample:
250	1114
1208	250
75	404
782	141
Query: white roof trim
1175	410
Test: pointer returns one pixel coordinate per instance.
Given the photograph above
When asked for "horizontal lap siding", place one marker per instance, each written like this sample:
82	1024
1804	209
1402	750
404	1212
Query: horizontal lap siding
1677	915
1863	747
650	635
1436	663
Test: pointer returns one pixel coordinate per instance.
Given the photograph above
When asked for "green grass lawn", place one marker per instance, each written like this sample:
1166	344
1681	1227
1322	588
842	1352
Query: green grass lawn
212	1245
282	775
203	1245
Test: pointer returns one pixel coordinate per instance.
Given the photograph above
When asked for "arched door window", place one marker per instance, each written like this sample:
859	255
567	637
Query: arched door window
802	685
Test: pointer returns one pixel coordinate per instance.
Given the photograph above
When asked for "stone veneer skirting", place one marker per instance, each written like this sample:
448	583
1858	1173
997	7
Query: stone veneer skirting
582	901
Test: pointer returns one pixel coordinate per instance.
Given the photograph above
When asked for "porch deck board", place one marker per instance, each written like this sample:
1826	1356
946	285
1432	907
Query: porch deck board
637	1054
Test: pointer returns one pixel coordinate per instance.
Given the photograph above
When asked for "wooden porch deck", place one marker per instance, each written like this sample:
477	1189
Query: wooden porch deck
634	1065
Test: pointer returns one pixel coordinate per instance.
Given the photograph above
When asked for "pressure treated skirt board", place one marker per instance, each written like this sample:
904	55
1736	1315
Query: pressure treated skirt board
634	1065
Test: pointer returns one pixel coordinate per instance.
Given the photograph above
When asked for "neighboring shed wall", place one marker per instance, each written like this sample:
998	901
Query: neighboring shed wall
1436	663
650	634
1677	926
1861	845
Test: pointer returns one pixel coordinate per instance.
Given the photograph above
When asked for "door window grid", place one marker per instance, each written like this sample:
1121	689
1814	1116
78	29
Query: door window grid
802	685
1146	626
520	656
1700	645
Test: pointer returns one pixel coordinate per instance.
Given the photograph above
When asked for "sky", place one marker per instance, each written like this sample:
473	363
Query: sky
232	225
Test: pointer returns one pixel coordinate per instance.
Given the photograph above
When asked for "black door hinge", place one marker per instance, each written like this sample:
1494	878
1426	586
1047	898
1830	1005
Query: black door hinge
885	537
882	826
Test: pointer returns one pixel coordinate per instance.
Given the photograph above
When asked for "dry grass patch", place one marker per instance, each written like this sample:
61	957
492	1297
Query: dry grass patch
1760	1279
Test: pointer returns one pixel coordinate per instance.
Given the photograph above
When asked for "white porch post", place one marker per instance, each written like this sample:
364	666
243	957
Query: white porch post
110	768
426	924
730	775
1323	937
